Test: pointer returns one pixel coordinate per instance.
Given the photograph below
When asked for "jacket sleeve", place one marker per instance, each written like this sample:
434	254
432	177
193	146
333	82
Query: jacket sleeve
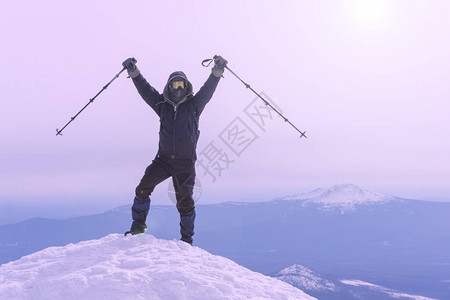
205	93
150	95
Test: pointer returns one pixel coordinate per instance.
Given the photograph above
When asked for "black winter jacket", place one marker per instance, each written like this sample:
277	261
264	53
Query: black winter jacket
179	124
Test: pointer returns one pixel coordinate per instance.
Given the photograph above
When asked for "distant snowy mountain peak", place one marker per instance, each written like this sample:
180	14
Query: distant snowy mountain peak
343	196
305	279
135	267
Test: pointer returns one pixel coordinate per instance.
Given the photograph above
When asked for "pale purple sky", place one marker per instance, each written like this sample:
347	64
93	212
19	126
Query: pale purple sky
367	80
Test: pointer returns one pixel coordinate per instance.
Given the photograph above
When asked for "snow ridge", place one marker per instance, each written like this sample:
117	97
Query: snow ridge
392	293
135	267
345	197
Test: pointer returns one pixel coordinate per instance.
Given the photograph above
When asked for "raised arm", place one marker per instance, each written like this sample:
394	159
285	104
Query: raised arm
207	90
205	93
150	95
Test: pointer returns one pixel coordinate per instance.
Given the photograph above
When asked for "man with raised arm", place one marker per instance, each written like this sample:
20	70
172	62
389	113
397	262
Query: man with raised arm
179	111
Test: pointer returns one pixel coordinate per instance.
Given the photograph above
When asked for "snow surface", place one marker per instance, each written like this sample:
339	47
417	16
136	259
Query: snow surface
390	292
304	278
135	267
345	197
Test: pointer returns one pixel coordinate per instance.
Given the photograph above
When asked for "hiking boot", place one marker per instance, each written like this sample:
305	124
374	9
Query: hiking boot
136	229
186	240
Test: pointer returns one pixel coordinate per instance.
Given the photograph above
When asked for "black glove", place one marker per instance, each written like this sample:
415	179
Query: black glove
130	65
219	65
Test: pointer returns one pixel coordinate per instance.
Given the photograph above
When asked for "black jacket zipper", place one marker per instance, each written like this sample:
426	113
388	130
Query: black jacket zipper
174	128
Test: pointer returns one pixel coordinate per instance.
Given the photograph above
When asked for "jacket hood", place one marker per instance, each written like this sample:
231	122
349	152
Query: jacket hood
177	74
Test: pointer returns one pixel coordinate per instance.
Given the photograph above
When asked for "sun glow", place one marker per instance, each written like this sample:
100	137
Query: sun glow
370	13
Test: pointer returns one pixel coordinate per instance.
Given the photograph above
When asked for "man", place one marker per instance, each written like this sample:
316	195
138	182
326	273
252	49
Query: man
179	111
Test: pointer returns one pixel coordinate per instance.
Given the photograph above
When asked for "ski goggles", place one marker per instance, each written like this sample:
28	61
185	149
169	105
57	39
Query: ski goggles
177	84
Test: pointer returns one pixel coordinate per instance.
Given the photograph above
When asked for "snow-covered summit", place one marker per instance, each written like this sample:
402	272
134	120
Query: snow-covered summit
304	278
135	267
343	196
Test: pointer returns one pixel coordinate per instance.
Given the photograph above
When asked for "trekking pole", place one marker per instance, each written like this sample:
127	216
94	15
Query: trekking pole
210	60
58	132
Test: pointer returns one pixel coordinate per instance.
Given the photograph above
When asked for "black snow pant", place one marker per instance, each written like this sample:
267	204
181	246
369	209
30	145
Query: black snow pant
182	172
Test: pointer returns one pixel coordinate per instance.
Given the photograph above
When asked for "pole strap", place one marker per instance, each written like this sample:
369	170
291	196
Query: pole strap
208	60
